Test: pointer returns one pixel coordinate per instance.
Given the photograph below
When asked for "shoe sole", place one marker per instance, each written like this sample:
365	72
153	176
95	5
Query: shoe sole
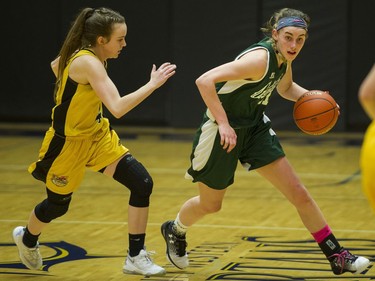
126	271
163	226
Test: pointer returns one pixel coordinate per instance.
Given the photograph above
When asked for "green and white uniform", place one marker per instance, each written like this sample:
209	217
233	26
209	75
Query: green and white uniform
244	102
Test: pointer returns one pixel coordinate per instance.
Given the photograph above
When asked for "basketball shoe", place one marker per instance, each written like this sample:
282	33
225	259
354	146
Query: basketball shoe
142	264
176	246
344	261
30	257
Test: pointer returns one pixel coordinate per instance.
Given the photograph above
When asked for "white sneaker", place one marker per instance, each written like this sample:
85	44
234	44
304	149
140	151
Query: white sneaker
142	264
29	256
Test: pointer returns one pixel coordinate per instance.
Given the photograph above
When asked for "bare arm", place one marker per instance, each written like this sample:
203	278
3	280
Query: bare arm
55	66
289	89
87	69
250	66
367	93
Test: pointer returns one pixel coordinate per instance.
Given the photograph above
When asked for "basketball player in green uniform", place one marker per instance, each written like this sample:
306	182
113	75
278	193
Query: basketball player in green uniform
80	137
367	99
235	128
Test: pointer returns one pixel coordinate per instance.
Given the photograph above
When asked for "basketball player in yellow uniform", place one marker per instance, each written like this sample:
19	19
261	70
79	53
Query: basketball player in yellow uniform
367	99
81	138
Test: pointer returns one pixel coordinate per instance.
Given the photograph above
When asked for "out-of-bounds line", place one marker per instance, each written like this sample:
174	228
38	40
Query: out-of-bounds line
341	182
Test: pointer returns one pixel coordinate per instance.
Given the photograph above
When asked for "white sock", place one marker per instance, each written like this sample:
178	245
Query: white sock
179	227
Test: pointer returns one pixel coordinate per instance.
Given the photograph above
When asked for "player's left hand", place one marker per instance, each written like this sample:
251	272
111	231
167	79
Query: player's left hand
162	74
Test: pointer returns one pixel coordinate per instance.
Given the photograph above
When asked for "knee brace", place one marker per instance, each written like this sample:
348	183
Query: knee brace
135	177
54	206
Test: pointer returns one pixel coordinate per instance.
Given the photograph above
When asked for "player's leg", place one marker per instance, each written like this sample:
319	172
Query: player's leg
282	176
207	202
131	173
114	160
62	173
137	217
213	168
26	238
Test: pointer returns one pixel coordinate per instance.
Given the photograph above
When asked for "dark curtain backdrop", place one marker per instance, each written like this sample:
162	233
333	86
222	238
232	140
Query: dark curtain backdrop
196	35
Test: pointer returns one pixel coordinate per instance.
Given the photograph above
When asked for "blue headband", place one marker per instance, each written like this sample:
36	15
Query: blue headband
291	21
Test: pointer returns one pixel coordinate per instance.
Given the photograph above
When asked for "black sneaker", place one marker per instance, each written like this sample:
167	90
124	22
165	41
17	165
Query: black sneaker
344	261
176	246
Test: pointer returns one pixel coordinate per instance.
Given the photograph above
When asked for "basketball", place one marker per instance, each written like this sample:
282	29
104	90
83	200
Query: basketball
316	112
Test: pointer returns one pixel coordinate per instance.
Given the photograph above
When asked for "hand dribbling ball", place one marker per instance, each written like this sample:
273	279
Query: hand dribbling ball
316	112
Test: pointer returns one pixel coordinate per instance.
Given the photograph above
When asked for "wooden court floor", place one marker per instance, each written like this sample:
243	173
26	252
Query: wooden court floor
256	236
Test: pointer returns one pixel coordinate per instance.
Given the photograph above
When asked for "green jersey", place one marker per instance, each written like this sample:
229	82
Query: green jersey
245	100
257	144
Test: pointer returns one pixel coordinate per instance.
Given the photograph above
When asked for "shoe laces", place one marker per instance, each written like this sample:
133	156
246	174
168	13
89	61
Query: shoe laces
343	258
181	245
179	241
146	257
31	253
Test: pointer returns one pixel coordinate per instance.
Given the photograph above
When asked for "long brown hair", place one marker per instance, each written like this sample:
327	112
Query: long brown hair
89	24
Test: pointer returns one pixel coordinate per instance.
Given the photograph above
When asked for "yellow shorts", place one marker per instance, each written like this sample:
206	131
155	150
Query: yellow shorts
63	161
367	163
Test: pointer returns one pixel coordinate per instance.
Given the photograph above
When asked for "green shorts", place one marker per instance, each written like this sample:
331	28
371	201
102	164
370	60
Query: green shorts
210	164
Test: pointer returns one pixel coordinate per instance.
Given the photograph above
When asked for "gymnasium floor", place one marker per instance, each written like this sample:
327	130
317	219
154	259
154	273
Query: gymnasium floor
256	236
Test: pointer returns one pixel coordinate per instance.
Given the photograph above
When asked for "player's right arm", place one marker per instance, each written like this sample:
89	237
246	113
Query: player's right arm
250	66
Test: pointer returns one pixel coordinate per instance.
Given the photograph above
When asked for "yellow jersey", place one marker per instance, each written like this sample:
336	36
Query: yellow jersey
367	161
78	111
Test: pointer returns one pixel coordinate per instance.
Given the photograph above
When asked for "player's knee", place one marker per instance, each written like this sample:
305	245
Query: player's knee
211	208
50	209
300	197
140	195
135	177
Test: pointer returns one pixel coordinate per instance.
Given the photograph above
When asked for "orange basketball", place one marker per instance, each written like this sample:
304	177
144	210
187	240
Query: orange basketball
316	112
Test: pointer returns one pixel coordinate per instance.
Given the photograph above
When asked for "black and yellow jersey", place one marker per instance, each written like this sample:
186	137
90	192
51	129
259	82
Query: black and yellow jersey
78	111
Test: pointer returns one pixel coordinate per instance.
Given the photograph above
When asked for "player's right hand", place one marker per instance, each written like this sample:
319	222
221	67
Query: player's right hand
228	137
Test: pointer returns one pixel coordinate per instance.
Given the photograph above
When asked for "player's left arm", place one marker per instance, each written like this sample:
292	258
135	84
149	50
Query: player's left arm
367	93
287	88
55	65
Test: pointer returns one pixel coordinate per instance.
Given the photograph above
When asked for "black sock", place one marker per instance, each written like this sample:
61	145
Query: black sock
29	239
330	245
136	243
